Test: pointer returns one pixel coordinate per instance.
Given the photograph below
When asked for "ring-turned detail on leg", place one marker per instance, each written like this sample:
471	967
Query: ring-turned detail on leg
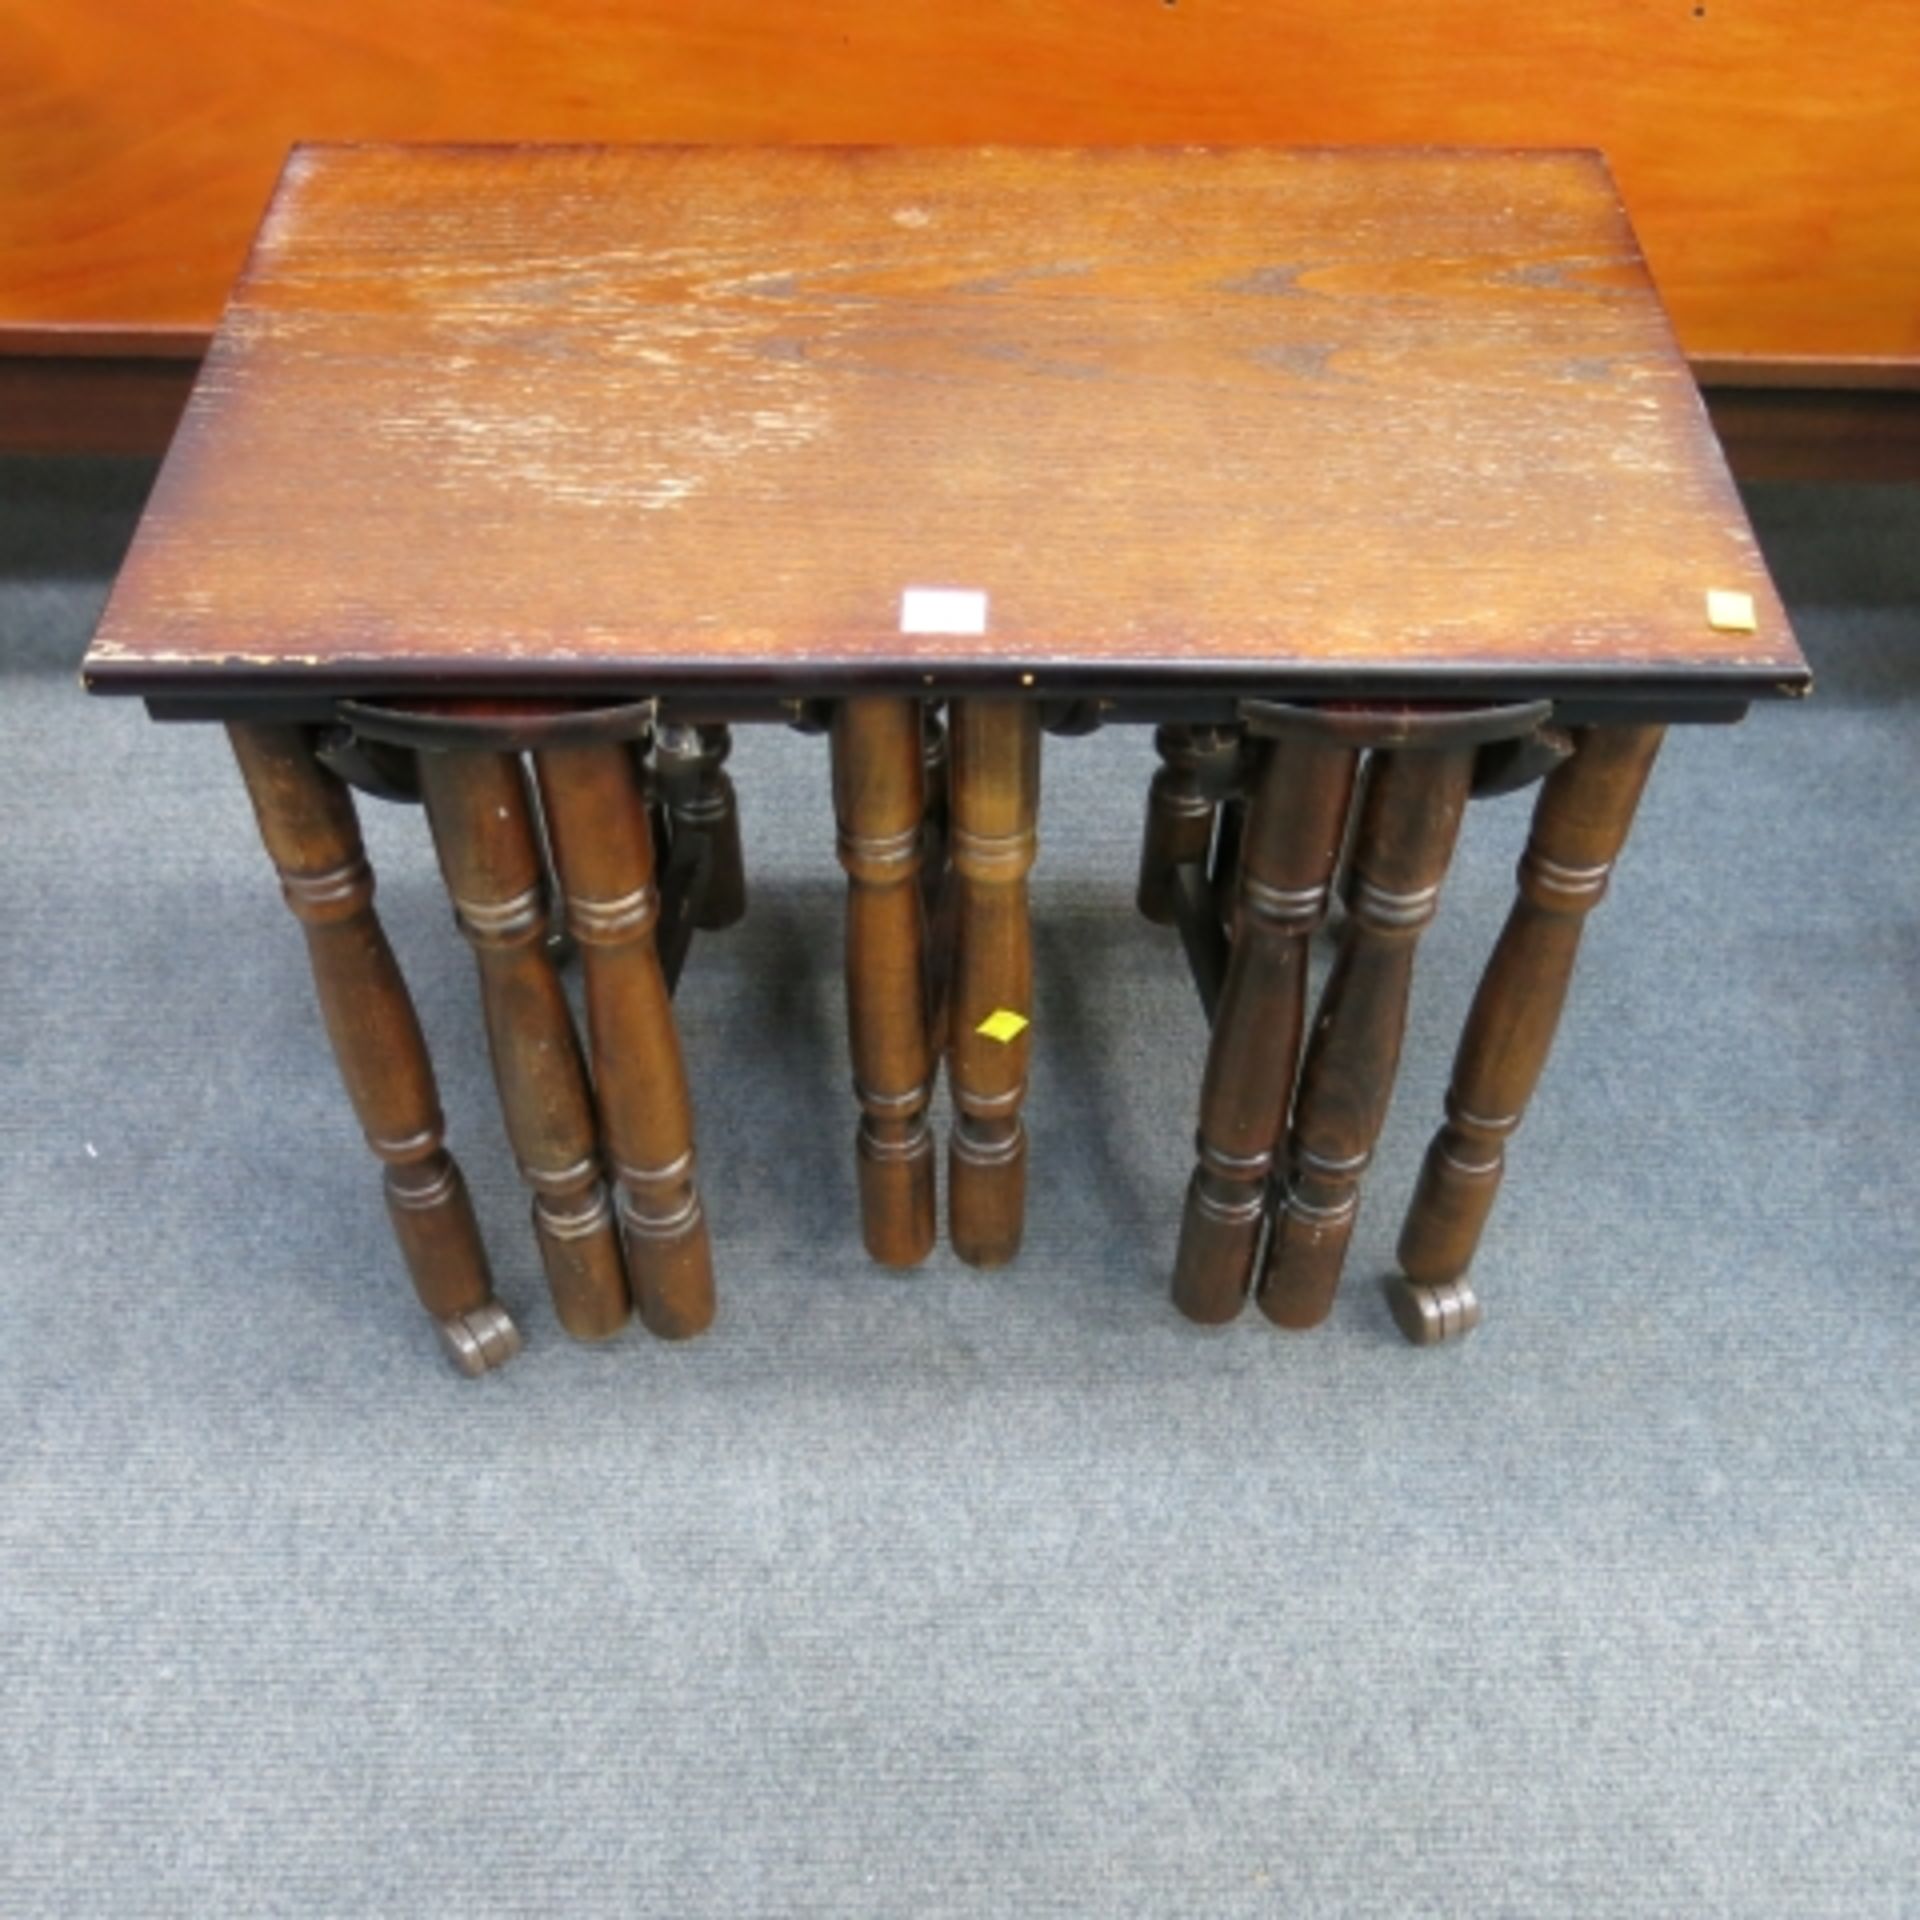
1580	823
485	832
879	803
689	764
993	827
1291	840
603	845
307	821
1409	818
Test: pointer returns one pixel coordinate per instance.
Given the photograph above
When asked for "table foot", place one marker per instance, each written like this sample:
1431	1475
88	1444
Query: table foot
986	1192
482	1341
895	1167
1219	1236
1429	1315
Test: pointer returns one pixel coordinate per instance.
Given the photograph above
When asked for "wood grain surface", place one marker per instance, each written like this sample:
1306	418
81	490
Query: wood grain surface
662	418
1769	151
93	403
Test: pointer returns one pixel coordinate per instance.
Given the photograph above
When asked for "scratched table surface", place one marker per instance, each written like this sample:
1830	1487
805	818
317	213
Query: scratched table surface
665	419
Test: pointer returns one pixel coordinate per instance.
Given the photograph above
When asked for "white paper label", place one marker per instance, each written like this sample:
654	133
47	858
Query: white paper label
943	610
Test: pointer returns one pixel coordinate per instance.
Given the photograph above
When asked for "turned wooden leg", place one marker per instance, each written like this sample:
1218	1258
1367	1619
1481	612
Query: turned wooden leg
1410	816
1292	838
603	844
1199	770
307	821
878	796
491	854
994	808
689	767
1580	823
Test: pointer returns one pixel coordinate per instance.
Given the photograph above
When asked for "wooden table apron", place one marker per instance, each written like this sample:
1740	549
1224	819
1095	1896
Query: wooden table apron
516	476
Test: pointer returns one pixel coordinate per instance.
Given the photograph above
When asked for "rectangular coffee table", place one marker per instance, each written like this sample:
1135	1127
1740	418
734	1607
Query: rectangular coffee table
1374	478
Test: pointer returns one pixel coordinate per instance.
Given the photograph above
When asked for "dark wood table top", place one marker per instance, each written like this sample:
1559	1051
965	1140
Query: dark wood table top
663	419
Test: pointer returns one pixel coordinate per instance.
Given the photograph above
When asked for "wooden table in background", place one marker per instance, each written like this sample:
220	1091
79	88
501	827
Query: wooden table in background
1373	478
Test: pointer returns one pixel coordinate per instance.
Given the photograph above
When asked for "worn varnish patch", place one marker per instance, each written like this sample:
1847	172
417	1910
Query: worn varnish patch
1277	420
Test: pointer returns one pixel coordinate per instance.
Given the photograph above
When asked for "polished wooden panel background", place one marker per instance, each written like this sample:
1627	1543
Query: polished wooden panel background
1768	150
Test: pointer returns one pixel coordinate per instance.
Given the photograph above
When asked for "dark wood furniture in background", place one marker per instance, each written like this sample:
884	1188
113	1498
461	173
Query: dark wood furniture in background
1785	422
1774	190
1362	473
1769	157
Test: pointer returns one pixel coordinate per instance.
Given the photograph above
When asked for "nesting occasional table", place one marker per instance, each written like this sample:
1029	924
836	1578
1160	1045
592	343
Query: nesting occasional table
516	475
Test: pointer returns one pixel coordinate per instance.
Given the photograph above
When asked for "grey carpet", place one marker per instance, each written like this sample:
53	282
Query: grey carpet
956	1593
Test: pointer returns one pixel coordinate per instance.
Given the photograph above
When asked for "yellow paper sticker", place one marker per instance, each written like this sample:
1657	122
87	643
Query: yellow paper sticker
1730	612
1003	1024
